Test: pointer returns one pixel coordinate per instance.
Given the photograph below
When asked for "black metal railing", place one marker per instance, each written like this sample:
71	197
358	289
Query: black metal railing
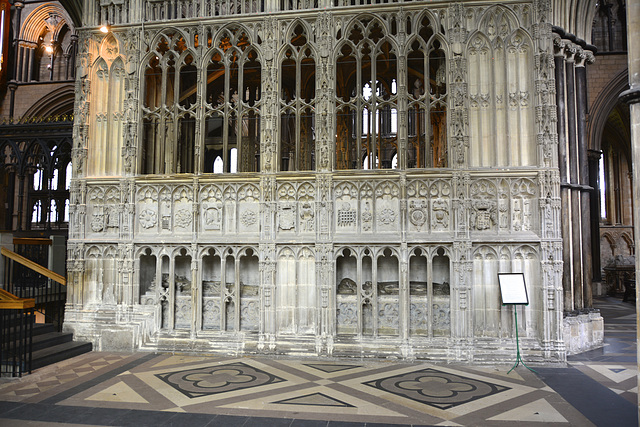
25	282
16	332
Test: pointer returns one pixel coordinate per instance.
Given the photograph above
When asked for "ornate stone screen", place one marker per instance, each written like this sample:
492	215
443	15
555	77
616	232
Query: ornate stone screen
347	180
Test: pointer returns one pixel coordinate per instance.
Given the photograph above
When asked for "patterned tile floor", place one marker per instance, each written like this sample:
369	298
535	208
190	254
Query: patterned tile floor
141	389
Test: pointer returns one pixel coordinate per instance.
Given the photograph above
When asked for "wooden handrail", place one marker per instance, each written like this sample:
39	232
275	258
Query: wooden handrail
33	266
12	302
31	241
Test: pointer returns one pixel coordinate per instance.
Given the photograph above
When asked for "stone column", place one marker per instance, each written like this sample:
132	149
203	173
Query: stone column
12	85
574	217
632	97
583	172
567	285
18	23
594	167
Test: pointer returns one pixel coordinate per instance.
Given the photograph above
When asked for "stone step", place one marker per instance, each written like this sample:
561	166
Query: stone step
59	352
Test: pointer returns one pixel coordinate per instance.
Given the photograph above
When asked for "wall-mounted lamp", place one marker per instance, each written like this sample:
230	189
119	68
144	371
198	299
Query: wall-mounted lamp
105	28
51	52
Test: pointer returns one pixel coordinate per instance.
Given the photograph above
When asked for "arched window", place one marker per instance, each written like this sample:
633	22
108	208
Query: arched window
169	108
609	26
427	95
297	99
367	98
232	104
36	212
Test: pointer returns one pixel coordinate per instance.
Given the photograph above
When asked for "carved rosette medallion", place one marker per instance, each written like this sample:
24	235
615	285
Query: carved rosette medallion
387	216
248	218
148	218
182	218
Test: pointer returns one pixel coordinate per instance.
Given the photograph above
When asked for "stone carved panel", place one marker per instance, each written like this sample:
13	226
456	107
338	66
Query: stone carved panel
103	207
388	319
182	209
147	209
366	208
211	208
296	207
387	206
229	205
306	196
418	204
483	215
440	194
346	207
248	209
523	207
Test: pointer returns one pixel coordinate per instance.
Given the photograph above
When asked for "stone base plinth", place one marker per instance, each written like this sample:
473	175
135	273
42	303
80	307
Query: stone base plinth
583	332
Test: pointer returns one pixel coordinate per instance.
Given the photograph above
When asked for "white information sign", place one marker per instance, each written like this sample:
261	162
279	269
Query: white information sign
512	288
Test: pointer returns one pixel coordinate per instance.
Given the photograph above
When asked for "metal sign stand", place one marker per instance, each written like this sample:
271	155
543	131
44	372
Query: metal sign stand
518	357
514	292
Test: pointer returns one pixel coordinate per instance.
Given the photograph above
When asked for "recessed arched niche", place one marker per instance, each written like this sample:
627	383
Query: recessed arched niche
165	272
418	293
367	294
346	293
249	291
211	290
429	293
441	291
229	310
182	289
388	290
147	279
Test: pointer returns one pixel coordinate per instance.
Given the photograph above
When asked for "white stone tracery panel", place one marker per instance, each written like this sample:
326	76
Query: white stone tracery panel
501	92
296	299
491	318
107	106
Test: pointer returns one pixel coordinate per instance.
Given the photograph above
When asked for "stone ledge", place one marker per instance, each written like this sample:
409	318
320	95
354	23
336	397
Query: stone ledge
583	332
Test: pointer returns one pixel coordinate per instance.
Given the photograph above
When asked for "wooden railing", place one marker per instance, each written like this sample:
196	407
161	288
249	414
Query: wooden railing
33	266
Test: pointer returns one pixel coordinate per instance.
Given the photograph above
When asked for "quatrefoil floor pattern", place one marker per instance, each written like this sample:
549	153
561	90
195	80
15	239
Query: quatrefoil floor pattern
358	391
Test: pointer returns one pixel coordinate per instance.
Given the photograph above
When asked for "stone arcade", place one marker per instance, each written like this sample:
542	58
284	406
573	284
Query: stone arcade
317	178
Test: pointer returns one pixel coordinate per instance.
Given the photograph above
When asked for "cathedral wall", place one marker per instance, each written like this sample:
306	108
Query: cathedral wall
356	217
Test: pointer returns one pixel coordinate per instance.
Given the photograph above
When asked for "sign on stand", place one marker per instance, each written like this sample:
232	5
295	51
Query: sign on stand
513	291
